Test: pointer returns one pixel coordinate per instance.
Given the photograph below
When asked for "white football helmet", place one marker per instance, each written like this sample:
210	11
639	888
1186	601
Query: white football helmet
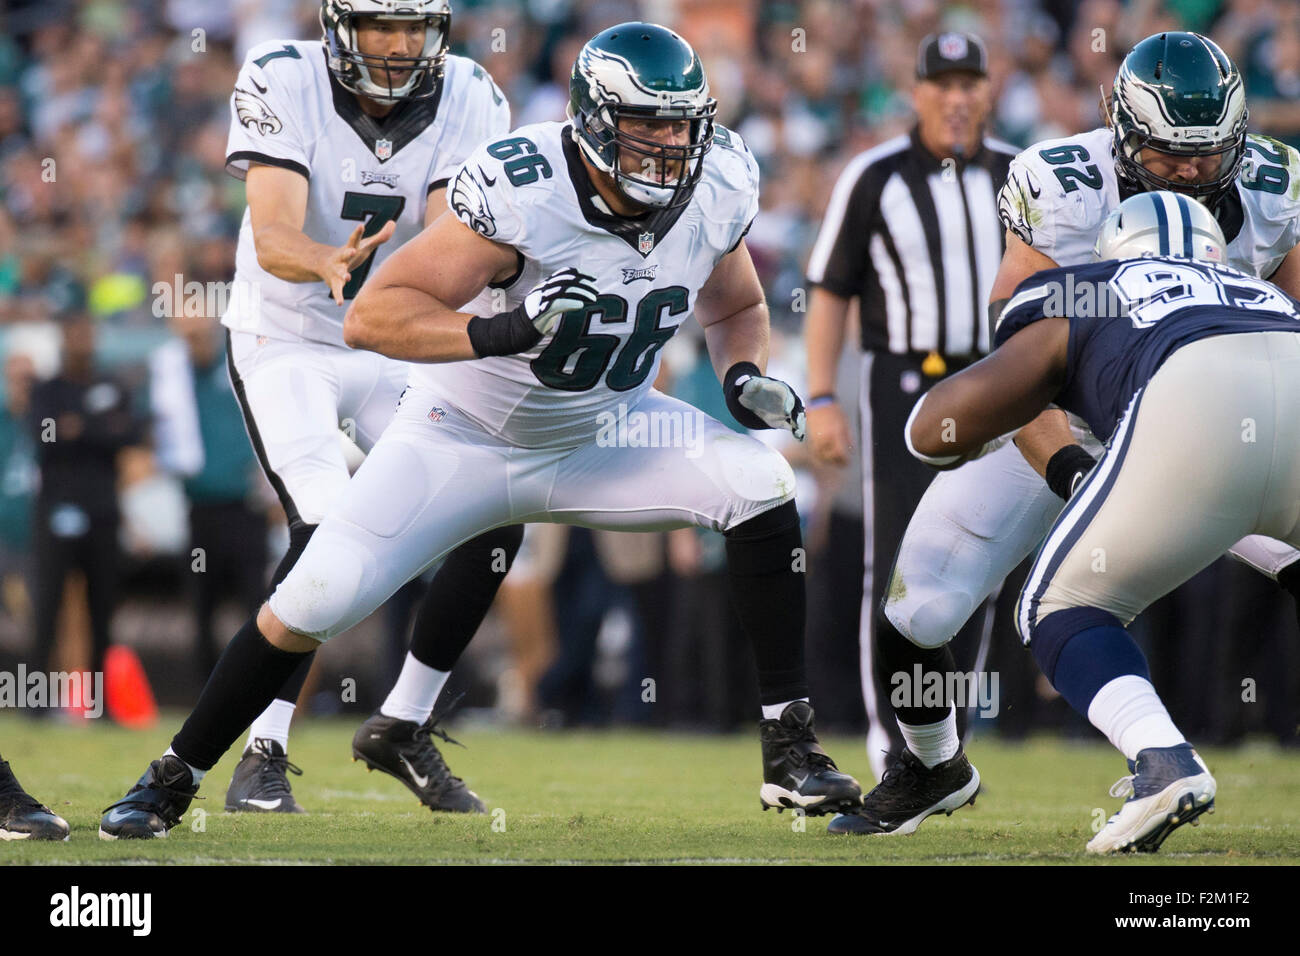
1161	224
371	76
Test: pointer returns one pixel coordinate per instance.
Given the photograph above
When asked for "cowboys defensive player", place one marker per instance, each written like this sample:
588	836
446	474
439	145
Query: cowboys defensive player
346	147
1191	374
1177	121
600	237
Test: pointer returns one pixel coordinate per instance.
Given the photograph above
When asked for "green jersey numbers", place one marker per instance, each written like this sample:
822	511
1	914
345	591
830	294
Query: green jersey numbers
577	356
1067	162
376	212
523	163
1265	166
286	51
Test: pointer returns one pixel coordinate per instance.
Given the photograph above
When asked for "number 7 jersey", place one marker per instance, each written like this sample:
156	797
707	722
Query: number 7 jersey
530	191
287	110
1058	192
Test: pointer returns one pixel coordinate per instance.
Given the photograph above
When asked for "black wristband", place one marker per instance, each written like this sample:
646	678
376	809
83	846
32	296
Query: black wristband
1065	468
731	392
507	333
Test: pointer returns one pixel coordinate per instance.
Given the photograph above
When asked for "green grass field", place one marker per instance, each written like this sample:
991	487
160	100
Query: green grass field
626	797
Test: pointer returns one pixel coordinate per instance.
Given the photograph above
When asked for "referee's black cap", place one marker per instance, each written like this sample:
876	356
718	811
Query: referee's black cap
950	52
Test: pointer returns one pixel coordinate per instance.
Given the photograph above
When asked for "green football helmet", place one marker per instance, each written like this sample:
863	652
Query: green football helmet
642	71
1180	94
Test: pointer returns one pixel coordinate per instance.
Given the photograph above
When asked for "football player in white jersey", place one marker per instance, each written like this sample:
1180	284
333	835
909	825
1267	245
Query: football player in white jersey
1177	120
346	147
597	239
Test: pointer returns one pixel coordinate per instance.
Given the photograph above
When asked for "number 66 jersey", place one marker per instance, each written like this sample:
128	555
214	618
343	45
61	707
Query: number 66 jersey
1058	192
289	111
531	191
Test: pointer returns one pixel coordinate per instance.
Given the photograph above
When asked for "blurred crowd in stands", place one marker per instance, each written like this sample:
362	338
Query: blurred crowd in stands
113	123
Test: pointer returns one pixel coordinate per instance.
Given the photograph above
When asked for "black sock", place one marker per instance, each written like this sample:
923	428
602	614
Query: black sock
460	594
1289	579
299	534
768	595
244	682
895	654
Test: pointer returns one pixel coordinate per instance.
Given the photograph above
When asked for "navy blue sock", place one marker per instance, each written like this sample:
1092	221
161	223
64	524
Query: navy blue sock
1080	653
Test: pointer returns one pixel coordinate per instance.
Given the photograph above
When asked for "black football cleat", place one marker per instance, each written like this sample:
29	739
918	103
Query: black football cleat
797	772
260	783
22	816
405	750
154	805
909	792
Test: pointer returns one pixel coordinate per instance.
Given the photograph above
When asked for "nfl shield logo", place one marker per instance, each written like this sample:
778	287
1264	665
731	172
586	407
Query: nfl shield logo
383	148
645	242
952	46
437	413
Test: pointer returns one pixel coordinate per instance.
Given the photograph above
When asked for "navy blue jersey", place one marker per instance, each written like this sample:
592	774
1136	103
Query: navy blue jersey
1127	316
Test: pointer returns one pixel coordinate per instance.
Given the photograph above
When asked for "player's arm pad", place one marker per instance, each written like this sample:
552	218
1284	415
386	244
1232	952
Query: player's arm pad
1066	470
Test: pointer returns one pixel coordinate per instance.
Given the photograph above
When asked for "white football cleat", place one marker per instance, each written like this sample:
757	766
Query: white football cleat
1170	786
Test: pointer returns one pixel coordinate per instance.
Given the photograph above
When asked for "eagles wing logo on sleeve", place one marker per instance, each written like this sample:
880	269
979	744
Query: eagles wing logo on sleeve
1014	207
469	202
253	112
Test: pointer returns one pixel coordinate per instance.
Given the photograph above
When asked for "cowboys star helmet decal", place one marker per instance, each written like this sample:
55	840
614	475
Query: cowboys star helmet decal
253	112
469	202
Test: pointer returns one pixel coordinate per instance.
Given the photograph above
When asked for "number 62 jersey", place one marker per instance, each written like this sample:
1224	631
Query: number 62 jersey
530	191
1058	192
287	110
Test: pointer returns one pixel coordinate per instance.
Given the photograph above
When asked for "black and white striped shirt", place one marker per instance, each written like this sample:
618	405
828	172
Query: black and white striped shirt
919	244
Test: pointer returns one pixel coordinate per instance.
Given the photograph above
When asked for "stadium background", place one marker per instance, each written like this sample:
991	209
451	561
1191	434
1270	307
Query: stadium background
113	123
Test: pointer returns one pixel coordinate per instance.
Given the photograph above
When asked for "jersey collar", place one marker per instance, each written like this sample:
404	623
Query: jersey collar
403	123
931	163
643	233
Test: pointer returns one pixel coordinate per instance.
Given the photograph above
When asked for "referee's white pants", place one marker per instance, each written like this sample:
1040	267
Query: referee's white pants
436	479
296	396
1208	452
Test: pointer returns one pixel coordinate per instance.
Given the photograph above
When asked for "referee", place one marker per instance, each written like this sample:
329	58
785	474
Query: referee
912	233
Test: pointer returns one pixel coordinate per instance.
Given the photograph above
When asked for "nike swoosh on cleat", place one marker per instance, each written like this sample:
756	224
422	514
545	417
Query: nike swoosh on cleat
420	782
264	804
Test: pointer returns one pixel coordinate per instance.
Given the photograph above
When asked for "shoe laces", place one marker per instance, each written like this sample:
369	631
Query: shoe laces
1123	787
274	767
428	758
899	775
173	793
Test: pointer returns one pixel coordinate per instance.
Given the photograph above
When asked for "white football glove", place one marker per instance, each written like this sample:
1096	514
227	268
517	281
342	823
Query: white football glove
772	401
560	292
